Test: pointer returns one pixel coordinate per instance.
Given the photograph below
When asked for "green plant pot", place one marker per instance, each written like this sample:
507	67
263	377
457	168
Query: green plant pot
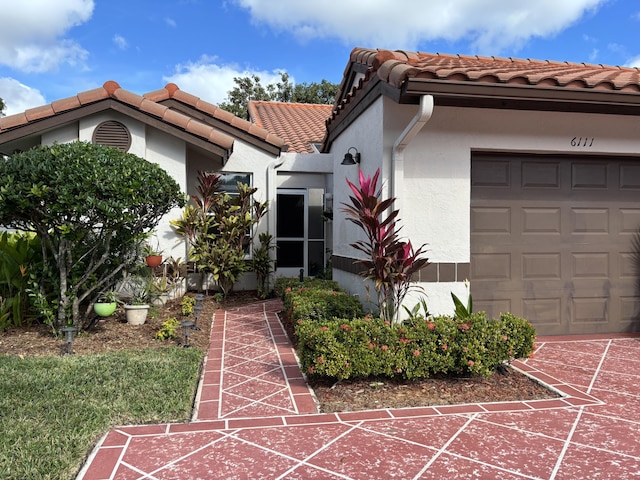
105	309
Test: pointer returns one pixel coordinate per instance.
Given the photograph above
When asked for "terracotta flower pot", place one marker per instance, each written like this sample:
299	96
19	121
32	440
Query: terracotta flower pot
153	261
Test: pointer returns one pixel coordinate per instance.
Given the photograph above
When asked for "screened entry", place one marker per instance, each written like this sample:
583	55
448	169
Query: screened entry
300	232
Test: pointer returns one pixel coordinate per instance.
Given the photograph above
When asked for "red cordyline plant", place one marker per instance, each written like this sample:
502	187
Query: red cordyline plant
390	262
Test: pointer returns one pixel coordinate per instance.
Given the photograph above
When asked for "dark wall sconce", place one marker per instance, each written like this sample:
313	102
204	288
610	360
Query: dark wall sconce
349	158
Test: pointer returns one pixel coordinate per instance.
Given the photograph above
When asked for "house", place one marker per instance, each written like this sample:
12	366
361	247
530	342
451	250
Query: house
522	176
184	134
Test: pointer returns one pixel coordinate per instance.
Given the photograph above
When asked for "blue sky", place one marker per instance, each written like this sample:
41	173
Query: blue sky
55	49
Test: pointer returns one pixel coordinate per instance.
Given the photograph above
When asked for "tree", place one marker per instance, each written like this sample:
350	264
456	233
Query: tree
92	206
2	107
251	88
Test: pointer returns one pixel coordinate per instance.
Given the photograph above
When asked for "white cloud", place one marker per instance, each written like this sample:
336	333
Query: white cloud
32	37
211	81
18	97
120	42
489	25
634	62
171	22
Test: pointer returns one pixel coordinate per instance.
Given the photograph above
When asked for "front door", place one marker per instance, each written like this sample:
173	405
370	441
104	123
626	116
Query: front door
300	232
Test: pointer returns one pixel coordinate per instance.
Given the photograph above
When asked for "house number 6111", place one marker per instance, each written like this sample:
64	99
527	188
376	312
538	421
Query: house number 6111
582	142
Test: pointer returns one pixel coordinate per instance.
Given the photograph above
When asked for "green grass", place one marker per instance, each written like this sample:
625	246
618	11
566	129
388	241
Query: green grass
53	410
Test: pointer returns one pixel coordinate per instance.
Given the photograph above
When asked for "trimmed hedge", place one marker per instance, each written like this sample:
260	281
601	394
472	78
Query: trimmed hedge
335	339
303	303
416	348
283	283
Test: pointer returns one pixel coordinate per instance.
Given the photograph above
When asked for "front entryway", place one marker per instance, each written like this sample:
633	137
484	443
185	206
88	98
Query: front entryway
555	240
300	232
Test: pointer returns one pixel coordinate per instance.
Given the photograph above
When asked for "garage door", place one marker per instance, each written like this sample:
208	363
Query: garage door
555	240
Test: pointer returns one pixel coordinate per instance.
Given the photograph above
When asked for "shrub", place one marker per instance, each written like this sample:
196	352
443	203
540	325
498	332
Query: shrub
314	303
417	348
90	206
187	305
283	283
168	331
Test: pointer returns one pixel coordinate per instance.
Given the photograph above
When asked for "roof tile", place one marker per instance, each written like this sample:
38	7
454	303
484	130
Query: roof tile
38	113
65	104
12	121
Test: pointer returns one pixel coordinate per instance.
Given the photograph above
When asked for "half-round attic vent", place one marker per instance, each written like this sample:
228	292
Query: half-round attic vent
112	134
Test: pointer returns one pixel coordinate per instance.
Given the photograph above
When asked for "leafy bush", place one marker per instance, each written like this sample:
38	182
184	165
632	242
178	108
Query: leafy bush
283	283
20	264
305	303
90	205
417	348
187	305
168	331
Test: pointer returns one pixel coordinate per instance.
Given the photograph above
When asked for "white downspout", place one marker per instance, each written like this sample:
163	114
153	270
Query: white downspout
425	110
272	195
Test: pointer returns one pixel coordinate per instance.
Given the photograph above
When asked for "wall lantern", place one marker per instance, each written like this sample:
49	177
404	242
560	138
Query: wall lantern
350	158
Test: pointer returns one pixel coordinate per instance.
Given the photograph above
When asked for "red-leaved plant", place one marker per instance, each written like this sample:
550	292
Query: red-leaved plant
390	262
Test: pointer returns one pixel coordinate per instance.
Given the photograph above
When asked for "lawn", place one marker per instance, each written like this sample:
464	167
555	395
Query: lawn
53	410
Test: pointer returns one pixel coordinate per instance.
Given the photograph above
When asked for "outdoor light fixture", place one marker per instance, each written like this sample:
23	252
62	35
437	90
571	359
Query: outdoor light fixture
199	298
69	336
186	331
197	309
351	159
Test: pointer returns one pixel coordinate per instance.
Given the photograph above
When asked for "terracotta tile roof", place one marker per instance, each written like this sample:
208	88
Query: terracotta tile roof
111	90
171	91
417	72
300	124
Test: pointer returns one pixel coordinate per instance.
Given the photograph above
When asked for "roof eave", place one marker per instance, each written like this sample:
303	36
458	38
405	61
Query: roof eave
39	126
525	97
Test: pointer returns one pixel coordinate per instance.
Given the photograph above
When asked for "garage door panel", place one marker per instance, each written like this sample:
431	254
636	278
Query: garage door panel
541	266
630	177
594	221
492	173
629	309
543	311
629	265
540	220
589	175
593	265
491	266
496	221
555	240
589	310
540	175
629	220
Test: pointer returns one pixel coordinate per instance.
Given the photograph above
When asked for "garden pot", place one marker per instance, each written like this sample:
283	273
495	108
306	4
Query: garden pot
136	314
105	309
153	261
